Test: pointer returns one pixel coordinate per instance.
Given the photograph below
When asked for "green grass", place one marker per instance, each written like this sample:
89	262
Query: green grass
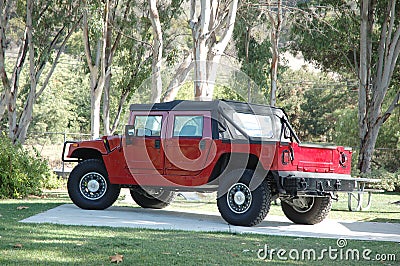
47	244
383	208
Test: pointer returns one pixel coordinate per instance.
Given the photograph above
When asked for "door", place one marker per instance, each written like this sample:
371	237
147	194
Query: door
189	139
144	151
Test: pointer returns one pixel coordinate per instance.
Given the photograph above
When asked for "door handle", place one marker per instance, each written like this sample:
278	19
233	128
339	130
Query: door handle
202	144
157	143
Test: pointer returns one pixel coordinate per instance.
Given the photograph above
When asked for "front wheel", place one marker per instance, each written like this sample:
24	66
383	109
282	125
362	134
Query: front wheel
238	203
306	210
89	187
152	198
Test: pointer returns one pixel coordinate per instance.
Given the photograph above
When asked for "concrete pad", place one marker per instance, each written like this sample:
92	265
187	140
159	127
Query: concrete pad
69	214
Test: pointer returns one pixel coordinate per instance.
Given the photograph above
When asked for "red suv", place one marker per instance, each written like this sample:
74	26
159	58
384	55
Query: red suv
248	153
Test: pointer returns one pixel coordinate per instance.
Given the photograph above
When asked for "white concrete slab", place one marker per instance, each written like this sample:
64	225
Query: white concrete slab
69	214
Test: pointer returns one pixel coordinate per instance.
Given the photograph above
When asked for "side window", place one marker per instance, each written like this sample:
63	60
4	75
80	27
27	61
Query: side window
148	126
188	126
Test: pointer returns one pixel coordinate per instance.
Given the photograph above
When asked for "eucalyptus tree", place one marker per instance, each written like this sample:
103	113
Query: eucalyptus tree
212	24
358	40
376	69
252	43
42	31
100	24
156	83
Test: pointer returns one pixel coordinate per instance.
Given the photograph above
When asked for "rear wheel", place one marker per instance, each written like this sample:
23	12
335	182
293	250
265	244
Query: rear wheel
238	203
152	198
307	210
89	187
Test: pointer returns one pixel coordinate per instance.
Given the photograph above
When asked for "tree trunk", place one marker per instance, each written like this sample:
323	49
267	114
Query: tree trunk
9	85
200	26
276	24
5	15
274	71
18	123
106	63
207	50
95	100
17	132
122	100
373	89
96	86
156	82
246	48
108	51
180	76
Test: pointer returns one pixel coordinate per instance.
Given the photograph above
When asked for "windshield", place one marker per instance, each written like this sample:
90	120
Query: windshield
255	125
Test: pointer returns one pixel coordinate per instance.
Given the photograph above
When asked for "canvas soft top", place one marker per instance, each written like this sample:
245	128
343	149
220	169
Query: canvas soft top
214	106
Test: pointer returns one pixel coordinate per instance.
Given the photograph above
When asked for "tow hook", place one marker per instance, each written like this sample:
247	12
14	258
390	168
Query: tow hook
303	184
337	184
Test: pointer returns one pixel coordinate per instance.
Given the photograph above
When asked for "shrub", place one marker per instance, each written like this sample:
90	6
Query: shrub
22	172
389	181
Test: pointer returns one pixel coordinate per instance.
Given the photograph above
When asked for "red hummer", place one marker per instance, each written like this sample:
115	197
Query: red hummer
249	153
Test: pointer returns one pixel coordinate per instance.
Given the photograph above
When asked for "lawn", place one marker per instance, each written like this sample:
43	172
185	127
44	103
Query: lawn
46	244
385	207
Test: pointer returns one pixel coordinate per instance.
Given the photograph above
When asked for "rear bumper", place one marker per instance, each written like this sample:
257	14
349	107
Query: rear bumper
319	184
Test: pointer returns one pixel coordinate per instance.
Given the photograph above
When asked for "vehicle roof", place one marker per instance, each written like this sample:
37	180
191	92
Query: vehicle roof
215	105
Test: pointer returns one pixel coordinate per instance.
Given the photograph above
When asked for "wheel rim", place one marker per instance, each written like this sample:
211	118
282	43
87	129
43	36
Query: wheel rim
93	186
239	198
303	204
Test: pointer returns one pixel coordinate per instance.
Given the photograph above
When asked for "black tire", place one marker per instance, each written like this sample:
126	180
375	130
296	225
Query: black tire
89	187
240	205
153	199
313	211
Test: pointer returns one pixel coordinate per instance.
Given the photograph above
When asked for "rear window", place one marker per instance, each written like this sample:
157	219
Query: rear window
254	125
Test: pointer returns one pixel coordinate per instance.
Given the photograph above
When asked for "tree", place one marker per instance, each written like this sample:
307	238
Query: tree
100	61
179	77
276	18
252	45
47	45
212	26
93	63
156	84
63	107
363	45
375	74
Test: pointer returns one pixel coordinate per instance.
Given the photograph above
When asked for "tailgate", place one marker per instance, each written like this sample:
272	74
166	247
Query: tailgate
318	158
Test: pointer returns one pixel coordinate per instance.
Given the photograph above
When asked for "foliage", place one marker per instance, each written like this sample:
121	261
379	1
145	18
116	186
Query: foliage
389	181
53	21
21	172
252	43
359	43
326	33
63	107
313	102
